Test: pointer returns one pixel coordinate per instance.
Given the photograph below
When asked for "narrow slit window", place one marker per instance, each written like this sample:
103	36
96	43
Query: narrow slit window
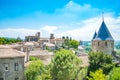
98	43
105	43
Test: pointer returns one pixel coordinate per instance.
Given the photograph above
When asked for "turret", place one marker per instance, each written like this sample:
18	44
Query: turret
103	40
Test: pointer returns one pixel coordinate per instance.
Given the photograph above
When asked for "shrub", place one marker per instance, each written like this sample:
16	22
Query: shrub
32	58
65	65
34	70
115	74
97	75
100	60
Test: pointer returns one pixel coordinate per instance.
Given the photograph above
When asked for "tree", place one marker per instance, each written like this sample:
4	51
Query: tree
2	40
69	43
65	65
46	73
115	74
63	37
74	44
34	70
8	40
100	60
97	75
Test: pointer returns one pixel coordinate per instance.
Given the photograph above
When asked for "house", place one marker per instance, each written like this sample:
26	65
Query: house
57	42
49	46
11	64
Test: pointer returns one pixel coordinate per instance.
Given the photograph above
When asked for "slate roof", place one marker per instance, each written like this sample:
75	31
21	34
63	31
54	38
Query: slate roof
103	33
94	35
7	52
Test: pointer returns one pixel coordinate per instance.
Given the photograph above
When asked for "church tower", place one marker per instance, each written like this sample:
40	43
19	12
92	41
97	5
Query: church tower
103	41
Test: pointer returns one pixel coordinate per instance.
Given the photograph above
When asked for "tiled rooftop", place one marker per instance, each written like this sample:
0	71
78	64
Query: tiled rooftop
7	52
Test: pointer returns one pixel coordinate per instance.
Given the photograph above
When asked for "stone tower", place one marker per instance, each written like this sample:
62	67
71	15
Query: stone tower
52	36
38	34
103	41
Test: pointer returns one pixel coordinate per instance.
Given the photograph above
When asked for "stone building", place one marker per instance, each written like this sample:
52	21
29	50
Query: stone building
103	40
11	64
33	38
52	40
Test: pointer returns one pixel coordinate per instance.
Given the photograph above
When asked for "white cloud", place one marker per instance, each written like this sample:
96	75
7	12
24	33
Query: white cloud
77	21
21	32
73	11
86	31
49	29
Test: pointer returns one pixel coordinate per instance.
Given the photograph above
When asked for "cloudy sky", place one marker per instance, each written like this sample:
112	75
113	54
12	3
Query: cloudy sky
76	18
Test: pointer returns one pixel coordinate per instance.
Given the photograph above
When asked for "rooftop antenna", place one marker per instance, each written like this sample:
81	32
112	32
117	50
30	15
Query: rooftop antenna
103	16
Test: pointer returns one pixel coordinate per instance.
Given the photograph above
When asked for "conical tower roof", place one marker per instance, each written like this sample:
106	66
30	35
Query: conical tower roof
103	33
94	35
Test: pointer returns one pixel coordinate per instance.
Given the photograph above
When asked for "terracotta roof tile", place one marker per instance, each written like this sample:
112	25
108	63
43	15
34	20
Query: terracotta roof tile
7	52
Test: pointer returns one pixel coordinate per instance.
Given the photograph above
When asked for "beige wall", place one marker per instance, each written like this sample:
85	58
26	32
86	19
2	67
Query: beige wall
103	46
11	74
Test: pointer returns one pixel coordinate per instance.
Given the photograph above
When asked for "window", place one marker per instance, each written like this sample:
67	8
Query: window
1	78
98	43
22	49
111	45
6	67
16	66
105	43
16	78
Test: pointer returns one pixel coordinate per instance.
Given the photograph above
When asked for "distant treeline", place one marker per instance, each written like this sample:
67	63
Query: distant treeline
4	40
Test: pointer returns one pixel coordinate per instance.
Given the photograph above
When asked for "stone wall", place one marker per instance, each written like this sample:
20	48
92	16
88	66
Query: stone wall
11	74
103	46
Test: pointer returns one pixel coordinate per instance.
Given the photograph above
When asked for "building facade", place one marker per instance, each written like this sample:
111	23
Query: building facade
103	40
11	64
33	38
57	42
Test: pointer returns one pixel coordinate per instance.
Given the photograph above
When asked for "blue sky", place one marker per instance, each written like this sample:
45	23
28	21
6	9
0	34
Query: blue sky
76	18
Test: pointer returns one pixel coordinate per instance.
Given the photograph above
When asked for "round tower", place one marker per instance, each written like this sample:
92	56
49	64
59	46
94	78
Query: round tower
103	41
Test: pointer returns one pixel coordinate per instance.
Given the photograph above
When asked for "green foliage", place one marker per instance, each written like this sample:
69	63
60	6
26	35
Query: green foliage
118	52
46	73
32	58
82	74
74	44
97	75
48	49
100	60
34	70
69	43
8	40
65	65
115	74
